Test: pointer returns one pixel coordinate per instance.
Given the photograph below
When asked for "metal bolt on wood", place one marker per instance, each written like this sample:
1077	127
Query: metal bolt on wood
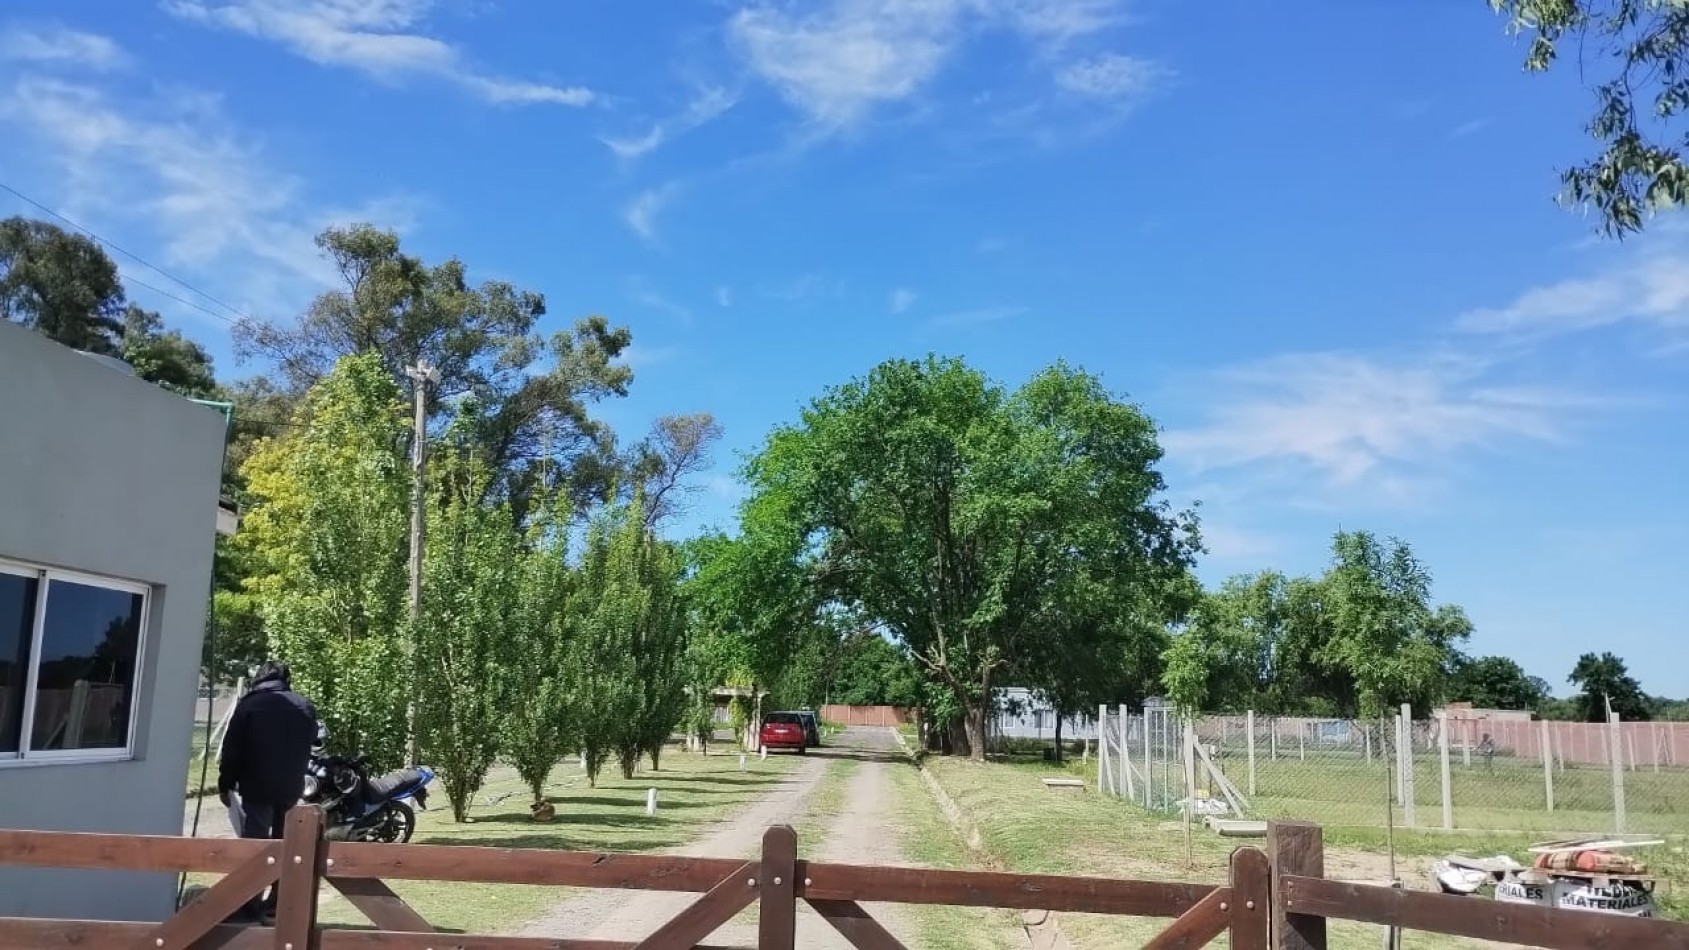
777	879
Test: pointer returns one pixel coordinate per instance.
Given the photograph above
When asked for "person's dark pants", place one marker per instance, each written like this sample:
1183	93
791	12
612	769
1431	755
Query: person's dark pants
262	820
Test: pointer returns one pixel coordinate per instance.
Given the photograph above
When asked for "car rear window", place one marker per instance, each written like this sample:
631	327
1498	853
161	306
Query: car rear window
787	719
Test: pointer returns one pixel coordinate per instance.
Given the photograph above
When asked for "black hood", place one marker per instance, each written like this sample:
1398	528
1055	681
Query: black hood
271	676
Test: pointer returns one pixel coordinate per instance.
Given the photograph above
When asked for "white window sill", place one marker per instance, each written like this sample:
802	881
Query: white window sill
42	759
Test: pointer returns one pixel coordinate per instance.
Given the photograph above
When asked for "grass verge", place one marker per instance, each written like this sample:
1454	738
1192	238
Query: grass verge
927	839
693	792
1029	828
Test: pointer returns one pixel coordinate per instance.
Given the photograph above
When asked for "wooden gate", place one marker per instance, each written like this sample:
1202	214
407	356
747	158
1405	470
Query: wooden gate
776	882
1280	903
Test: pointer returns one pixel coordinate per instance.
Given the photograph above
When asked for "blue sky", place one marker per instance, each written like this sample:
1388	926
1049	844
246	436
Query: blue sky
1316	242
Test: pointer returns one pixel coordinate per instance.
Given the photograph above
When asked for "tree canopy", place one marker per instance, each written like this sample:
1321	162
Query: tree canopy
1356	641
1635	56
974	523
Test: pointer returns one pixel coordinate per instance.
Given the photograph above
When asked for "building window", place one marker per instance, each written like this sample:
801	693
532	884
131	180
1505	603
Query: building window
70	648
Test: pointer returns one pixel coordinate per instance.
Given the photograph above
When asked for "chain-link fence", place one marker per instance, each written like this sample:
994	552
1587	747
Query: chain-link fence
1451	772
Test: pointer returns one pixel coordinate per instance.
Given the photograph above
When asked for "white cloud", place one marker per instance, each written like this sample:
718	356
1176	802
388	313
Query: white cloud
901	300
836	62
1348	418
641	213
642	293
172	171
724	296
1111	77
1649	287
59	44
704	108
380	38
1469	127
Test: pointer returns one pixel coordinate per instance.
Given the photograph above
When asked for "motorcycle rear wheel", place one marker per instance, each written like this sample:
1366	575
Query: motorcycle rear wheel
394	825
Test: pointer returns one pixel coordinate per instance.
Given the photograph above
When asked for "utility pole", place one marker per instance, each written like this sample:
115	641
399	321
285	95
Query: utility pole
422	374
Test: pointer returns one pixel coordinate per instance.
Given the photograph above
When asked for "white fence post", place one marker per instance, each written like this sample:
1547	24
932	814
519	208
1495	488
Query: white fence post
1443	755
1547	765
1249	723
1148	768
1401	773
1103	773
1616	735
1125	764
1409	813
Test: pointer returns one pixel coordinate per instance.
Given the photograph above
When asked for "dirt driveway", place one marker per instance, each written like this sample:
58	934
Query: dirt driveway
864	832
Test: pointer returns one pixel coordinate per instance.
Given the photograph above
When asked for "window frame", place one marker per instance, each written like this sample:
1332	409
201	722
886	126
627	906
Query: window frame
45	577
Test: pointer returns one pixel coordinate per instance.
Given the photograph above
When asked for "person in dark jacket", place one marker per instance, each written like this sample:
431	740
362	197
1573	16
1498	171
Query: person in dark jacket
266	749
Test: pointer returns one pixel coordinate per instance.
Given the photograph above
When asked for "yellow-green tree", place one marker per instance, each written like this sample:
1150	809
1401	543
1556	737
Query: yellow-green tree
325	527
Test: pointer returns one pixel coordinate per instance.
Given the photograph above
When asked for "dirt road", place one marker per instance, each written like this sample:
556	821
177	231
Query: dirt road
863	833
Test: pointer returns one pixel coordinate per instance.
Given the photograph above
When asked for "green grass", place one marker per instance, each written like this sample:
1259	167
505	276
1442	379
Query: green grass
1507	796
692	792
927	839
825	803
1031	829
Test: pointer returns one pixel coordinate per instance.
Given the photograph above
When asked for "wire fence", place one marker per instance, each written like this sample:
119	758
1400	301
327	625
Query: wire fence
1450	772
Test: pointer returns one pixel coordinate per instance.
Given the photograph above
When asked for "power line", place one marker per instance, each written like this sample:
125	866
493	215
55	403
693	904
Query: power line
139	259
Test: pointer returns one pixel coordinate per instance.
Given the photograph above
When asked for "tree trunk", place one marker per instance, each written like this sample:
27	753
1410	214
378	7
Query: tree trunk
1058	737
975	724
656	751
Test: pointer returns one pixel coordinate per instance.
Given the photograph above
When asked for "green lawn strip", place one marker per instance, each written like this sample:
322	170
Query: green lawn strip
1508	794
927	839
1032	829
692	792
825	803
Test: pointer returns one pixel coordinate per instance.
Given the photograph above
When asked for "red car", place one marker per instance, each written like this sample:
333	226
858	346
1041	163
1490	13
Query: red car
784	730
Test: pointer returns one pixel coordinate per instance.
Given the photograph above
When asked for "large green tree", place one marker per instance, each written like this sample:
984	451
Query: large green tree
1496	682
61	284
326	528
972	521
540	723
1603	679
1635	56
164	356
463	641
535	393
1356	641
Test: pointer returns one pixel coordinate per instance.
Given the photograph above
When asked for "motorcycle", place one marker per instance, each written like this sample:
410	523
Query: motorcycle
361	808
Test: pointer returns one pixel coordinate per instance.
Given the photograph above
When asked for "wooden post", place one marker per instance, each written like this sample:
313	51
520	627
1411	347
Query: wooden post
1547	764
777	926
1302	738
1443	761
1295	849
1251	880
1615	734
301	873
1249	718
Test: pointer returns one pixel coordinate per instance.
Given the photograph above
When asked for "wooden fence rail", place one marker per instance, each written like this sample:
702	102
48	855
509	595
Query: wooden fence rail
1271	901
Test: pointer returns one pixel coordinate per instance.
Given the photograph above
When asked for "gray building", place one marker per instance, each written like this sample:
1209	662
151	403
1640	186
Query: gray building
1022	714
108	513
